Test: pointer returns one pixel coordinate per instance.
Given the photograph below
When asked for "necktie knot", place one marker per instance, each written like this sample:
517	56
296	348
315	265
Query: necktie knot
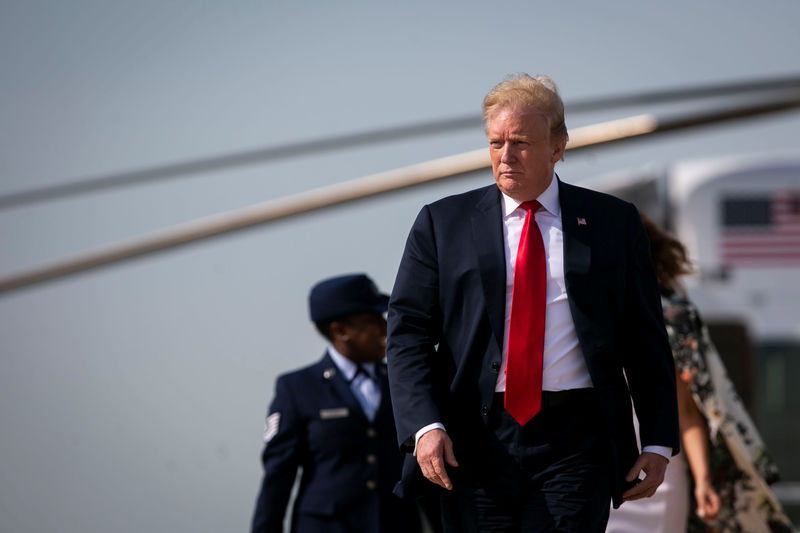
361	371
531	205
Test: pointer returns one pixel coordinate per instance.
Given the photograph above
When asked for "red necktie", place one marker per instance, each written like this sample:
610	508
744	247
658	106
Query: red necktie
523	397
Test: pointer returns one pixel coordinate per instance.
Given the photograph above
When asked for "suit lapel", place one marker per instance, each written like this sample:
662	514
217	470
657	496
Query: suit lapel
576	225
340	387
487	231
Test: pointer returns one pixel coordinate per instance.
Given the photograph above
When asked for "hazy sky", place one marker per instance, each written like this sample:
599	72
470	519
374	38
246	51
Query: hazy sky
132	397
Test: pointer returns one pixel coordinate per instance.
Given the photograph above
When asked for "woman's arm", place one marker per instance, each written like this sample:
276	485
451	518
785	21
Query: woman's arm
694	437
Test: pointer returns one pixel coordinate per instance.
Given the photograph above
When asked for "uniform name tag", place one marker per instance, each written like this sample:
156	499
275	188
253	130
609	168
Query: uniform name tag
338	412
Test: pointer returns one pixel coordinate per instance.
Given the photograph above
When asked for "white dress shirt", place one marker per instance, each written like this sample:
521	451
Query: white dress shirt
564	366
365	388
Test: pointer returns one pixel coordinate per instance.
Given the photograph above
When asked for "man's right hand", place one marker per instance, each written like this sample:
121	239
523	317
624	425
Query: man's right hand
434	448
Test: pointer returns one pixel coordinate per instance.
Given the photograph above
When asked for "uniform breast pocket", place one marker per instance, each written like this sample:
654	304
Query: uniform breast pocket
333	427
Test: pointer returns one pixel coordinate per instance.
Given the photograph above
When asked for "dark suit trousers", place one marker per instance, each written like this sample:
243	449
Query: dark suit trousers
550	475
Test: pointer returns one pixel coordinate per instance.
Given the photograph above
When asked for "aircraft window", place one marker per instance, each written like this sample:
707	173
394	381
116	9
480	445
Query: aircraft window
752	212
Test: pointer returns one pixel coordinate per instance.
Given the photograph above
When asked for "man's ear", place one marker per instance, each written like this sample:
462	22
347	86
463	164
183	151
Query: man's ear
558	151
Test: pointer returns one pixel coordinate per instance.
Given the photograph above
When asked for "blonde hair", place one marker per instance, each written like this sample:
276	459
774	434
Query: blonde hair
539	93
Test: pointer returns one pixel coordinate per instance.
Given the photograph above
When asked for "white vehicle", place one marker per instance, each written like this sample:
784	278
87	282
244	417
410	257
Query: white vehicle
740	220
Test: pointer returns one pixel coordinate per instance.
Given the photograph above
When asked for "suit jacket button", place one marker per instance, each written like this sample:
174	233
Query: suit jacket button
496	366
371	485
371	433
484	410
371	459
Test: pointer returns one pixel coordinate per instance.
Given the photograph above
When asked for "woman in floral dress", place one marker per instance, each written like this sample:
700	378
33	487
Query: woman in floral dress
729	468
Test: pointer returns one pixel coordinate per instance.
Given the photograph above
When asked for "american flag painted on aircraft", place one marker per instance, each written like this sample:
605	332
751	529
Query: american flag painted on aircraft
761	231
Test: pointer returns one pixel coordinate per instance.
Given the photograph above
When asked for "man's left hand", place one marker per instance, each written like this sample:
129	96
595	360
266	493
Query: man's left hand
654	467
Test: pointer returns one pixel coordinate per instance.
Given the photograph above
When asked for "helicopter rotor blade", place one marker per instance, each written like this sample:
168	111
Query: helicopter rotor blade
635	127
328	144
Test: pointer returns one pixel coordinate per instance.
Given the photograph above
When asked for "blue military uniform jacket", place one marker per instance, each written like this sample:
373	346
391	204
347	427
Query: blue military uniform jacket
349	464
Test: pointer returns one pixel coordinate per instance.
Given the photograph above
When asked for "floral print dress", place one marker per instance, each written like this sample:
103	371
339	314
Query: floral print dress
741	467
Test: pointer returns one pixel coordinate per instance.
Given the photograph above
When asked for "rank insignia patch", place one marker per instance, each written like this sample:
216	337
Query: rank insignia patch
271	426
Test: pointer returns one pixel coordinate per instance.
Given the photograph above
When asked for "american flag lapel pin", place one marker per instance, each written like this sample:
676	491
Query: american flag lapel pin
581	221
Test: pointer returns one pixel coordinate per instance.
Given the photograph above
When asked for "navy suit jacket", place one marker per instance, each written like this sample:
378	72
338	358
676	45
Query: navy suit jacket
446	321
349	464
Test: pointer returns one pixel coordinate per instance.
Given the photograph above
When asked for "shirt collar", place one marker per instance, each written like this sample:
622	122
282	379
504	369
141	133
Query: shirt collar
346	366
548	199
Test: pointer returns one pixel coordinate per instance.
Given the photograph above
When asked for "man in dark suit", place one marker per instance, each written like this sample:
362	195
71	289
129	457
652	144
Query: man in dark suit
518	312
333	419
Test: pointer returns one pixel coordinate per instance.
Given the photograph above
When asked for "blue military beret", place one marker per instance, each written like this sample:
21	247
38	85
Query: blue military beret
345	295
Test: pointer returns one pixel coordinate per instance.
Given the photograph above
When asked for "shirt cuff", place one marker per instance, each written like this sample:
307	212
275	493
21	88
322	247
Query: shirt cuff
421	432
664	451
